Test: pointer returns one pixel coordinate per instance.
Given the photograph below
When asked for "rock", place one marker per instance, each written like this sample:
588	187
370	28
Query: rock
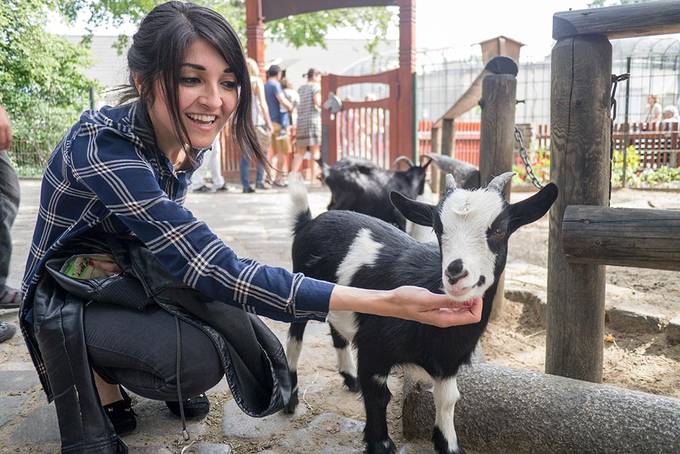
235	423
634	321
154	418
212	448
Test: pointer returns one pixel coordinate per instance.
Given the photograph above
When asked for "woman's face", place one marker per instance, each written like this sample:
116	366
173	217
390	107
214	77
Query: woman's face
208	95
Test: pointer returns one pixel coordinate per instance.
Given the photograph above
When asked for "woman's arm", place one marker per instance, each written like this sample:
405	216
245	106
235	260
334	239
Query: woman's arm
410	303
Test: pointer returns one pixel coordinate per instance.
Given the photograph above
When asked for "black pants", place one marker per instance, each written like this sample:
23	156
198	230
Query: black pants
139	351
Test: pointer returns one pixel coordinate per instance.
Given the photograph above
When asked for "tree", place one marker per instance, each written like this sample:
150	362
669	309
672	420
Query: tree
41	84
601	3
300	30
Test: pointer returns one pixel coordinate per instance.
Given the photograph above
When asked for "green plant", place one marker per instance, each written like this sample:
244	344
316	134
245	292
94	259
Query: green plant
660	176
540	164
632	166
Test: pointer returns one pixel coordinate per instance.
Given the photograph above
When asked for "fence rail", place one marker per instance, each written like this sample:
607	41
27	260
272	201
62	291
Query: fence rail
658	144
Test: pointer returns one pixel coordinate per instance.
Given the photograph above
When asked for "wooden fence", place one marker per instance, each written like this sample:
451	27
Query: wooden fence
658	144
466	140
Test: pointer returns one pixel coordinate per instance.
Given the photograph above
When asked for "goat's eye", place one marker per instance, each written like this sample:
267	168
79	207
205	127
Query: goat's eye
498	231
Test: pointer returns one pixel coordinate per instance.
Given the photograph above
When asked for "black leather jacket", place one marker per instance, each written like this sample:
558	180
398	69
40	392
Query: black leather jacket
253	358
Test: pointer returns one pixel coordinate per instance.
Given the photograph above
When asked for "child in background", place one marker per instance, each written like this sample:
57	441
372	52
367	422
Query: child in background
288	117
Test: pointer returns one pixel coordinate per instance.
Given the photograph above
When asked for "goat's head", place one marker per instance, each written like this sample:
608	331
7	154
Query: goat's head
414	176
473	228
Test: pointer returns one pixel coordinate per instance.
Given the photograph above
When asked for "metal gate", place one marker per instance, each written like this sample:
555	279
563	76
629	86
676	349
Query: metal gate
362	129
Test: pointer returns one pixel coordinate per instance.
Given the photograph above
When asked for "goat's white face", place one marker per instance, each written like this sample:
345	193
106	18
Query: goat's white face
467	260
473	228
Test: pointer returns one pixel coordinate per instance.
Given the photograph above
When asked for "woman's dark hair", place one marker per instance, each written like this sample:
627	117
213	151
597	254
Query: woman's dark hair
311	73
157	53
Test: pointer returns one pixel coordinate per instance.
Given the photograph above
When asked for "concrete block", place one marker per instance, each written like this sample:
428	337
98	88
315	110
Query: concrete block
38	427
673	331
15	381
9	407
634	321
328	433
506	410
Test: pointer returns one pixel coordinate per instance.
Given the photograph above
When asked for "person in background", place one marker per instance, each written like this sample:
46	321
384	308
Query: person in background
263	129
212	163
308	131
293	97
278	106
670	115
653	110
9	205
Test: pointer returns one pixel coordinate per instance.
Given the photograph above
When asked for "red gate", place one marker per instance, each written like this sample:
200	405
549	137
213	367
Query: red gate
363	129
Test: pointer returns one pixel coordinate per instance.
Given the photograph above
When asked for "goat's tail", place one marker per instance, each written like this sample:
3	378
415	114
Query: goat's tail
299	211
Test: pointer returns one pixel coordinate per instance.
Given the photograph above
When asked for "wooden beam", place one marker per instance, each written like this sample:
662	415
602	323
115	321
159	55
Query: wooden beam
626	21
471	97
278	9
579	164
643	238
255	33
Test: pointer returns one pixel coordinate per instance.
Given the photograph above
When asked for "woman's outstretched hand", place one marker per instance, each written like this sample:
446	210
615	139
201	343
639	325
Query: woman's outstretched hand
410	303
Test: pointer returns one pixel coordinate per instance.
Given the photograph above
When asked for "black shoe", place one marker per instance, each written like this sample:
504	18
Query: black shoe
6	331
194	407
9	297
264	186
121	415
248	190
203	188
223	188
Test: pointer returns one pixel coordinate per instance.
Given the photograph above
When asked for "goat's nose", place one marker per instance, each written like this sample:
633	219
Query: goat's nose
455	271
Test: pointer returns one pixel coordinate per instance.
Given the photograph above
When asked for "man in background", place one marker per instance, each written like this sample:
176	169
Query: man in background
276	100
9	205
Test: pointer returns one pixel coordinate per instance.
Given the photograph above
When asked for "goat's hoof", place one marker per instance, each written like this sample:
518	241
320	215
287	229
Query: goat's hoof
381	447
292	404
351	382
441	444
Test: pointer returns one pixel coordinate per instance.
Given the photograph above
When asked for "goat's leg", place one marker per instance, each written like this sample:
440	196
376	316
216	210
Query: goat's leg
293	348
346	365
376	396
446	395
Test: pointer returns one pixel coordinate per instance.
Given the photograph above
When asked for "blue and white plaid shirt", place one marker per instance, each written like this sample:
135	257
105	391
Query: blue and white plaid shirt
108	177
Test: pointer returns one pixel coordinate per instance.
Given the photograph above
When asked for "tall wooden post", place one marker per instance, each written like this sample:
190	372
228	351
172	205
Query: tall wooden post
436	138
255	32
496	142
447	144
579	165
407	70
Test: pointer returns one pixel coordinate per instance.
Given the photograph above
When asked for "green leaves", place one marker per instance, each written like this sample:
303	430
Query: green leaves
41	81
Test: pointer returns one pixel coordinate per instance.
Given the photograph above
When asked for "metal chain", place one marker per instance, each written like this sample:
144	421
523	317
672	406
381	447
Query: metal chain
615	82
525	159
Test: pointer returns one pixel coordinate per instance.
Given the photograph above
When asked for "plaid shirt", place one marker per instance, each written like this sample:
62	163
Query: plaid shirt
108	177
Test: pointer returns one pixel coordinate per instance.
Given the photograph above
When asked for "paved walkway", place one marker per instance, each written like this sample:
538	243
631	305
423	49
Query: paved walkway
330	419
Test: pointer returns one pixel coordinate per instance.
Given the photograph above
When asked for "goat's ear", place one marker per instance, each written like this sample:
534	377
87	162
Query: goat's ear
533	208
416	212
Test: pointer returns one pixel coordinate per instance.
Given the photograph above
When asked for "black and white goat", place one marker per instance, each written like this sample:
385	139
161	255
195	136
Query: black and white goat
472	229
360	185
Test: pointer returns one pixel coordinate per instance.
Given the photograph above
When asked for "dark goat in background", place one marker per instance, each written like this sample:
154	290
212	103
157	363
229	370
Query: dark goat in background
360	185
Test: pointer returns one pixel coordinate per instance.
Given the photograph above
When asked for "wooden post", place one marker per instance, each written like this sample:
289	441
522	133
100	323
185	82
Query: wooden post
407	70
579	122
255	32
496	143
436	138
448	131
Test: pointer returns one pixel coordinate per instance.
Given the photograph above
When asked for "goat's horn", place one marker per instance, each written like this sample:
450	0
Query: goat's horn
403	158
499	182
450	182
429	160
